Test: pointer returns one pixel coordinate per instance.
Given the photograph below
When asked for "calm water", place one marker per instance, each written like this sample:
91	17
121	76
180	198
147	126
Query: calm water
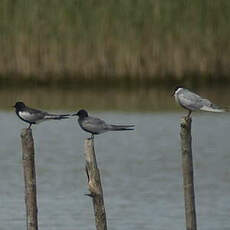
140	170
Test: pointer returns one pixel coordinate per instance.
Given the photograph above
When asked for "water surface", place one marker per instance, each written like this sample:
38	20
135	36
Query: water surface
140	170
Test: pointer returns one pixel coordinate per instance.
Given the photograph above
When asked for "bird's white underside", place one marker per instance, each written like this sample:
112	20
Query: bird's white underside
25	115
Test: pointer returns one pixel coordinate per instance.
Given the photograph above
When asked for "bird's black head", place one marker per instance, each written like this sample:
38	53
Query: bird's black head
81	113
19	105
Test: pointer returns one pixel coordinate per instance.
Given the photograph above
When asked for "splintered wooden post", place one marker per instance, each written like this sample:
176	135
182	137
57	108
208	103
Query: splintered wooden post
94	183
30	179
189	195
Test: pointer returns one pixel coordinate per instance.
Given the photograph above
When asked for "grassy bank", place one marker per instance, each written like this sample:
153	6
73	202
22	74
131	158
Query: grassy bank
141	39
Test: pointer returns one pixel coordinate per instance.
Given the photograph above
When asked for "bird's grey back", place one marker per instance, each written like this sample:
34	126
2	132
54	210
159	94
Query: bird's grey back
31	110
191	100
93	124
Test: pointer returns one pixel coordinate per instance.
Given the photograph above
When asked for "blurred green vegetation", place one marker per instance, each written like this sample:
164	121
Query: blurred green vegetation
115	39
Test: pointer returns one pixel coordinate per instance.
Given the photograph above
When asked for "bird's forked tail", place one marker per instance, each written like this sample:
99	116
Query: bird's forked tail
57	116
120	127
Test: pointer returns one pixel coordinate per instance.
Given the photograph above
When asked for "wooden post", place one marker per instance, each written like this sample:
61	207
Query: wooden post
30	178
189	195
94	183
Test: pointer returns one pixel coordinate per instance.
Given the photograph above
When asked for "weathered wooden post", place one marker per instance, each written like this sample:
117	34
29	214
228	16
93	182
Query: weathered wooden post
94	183
189	195
30	178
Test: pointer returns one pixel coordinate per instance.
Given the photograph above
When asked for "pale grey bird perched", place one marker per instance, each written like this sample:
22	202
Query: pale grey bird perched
34	116
97	126
192	101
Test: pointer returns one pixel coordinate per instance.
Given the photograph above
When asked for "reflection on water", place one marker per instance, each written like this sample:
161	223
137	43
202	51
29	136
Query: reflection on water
100	99
140	170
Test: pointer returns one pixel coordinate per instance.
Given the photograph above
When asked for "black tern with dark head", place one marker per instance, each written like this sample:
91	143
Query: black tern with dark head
34	116
97	126
192	101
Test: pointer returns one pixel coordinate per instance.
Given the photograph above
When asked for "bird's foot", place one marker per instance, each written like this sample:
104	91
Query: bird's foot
189	115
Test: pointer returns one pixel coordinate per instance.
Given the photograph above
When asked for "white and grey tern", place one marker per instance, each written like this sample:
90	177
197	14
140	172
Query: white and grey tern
192	101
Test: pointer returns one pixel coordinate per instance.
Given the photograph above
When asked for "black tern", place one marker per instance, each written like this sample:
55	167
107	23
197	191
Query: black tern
192	101
34	116
97	126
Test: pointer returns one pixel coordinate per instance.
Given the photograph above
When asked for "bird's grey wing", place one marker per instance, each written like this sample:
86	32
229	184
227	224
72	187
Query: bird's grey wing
94	125
192	100
30	116
31	110
46	116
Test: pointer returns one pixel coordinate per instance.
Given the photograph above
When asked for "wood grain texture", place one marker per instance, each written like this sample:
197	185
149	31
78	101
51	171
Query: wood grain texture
187	164
95	187
30	178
